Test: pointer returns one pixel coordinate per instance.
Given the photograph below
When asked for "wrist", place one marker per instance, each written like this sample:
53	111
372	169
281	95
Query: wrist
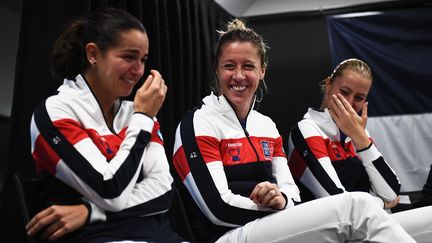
89	209
361	142
283	204
365	148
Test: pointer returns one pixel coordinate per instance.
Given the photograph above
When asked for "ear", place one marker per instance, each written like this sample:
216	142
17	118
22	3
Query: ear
327	84
263	71
92	53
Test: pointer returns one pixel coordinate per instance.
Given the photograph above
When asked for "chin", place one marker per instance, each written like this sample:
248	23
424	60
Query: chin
126	92
239	101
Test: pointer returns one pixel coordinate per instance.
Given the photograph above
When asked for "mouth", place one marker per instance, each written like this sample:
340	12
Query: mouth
129	81
238	88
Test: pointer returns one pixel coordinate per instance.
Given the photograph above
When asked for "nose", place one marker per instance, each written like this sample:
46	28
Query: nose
138	69
350	100
238	74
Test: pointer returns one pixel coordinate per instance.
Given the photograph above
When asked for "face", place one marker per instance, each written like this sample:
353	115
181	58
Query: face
353	86
239	71
119	68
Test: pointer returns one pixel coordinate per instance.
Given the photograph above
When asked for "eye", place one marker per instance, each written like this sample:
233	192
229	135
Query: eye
359	98
249	67
344	92
129	58
228	66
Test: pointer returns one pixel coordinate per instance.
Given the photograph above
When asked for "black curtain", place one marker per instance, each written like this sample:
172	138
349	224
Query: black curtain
181	34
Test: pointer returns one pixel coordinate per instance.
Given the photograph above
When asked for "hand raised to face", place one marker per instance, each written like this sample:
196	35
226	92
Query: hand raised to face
151	95
348	121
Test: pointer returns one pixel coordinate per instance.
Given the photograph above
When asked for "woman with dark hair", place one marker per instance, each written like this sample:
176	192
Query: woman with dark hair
234	173
95	150
331	152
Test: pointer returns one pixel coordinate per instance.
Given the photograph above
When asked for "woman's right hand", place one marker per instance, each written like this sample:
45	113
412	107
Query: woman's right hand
349	121
151	95
391	204
58	220
268	194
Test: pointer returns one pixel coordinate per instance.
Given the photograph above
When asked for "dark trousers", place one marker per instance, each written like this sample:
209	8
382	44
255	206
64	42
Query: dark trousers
154	228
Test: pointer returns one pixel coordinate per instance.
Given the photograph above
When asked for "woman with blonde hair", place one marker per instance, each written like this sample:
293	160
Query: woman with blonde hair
331	152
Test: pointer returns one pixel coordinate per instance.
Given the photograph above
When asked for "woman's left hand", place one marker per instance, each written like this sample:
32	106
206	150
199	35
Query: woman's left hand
349	121
268	194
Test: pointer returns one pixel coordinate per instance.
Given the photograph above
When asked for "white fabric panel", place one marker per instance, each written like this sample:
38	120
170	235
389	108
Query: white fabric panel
405	141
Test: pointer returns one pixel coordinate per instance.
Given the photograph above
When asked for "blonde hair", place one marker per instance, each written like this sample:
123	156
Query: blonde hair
236	30
353	64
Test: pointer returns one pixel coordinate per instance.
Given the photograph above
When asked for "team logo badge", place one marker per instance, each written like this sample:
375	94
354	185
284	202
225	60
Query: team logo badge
235	154
105	145
336	151
233	149
266	149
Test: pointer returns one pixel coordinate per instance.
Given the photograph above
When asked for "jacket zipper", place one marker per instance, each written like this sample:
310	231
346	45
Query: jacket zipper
250	142
244	130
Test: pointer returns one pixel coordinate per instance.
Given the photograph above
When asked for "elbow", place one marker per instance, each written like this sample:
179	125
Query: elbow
113	205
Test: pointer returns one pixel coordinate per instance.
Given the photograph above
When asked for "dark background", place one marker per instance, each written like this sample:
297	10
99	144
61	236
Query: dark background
299	58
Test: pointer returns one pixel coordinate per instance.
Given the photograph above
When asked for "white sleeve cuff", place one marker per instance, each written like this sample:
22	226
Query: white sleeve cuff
141	121
97	214
370	154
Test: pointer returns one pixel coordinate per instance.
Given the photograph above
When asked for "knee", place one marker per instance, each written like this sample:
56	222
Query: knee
363	198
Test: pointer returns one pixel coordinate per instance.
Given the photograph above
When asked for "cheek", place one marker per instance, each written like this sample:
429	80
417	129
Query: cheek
358	106
223	78
254	77
331	91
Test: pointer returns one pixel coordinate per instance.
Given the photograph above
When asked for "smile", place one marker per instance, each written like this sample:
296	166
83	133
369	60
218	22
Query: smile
130	81
238	87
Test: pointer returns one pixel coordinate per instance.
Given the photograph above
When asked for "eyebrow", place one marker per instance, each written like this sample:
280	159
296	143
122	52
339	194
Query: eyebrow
130	50
247	61
350	90
133	51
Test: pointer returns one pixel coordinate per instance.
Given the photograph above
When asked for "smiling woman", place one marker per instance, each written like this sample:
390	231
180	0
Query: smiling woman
331	152
96	152
240	70
240	66
124	62
113	73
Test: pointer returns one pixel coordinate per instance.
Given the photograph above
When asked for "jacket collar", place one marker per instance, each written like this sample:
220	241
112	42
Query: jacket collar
324	121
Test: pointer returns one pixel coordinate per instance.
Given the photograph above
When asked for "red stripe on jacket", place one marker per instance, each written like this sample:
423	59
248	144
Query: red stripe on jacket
181	164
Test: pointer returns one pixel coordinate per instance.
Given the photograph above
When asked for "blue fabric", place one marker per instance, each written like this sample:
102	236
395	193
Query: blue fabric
397	45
